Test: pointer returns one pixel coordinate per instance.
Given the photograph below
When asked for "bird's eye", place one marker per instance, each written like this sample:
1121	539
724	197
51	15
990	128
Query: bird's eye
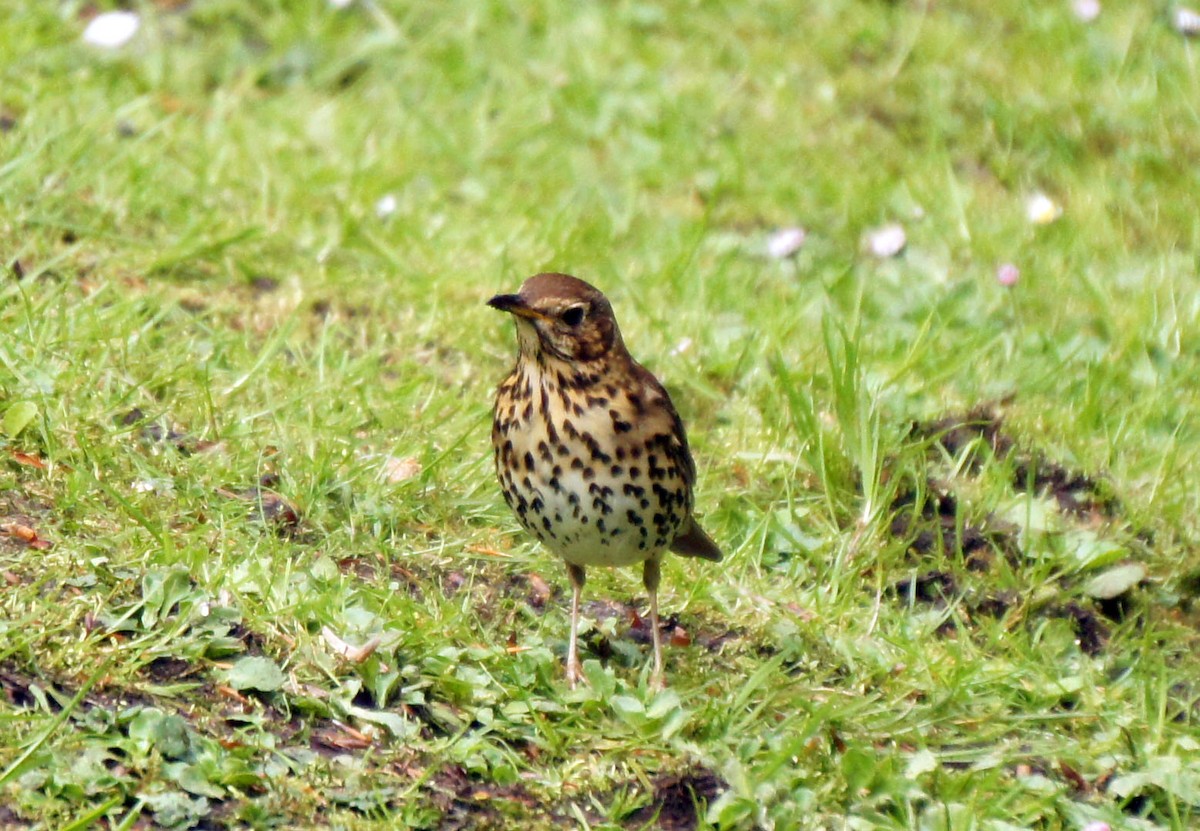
573	316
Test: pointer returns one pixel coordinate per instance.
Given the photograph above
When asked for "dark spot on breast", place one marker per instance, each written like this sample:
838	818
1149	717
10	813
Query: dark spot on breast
635	401
633	490
619	424
634	517
588	473
544	453
594	448
528	461
634	473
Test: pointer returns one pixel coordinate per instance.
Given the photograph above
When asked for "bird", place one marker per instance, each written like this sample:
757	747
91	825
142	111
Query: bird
590	452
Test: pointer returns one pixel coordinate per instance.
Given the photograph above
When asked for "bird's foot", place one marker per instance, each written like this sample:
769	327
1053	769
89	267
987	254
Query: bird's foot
575	674
657	684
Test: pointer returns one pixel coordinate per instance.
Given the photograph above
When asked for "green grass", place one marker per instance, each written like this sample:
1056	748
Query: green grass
188	230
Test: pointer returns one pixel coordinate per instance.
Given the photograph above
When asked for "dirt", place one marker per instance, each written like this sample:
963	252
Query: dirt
931	521
679	800
1091	633
20	518
159	431
166	670
10	821
1076	493
270	508
676	630
14	685
467	802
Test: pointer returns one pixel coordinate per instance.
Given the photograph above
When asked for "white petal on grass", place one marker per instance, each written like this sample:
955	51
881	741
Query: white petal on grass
1086	10
1115	581
1007	274
785	242
1187	21
683	346
340	4
1097	825
1041	209
386	206
111	30
353	654
887	241
396	470
152	485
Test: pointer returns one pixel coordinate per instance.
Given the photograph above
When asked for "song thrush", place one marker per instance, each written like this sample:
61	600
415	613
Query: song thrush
590	452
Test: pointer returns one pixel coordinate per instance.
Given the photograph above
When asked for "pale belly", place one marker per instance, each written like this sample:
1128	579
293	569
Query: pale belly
605	528
593	494
589	517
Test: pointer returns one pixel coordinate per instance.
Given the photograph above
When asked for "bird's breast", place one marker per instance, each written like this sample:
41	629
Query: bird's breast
582	474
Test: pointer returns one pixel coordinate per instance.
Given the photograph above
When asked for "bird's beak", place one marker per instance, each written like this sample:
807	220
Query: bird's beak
513	304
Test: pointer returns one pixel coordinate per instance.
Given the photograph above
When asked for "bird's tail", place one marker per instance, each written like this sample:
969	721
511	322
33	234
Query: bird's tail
693	542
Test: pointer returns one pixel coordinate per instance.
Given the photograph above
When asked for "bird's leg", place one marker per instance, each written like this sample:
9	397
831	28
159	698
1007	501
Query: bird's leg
651	572
574	668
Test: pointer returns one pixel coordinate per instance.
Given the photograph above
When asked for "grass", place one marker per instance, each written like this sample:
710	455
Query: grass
214	344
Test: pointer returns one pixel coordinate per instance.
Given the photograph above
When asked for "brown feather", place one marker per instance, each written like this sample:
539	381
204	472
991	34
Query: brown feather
693	542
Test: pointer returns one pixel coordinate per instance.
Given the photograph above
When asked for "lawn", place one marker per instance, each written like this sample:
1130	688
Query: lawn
255	568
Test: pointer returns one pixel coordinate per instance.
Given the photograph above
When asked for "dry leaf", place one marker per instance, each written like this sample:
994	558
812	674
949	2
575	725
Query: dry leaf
28	460
25	534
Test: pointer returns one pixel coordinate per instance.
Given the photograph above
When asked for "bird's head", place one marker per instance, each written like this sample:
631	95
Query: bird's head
562	317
